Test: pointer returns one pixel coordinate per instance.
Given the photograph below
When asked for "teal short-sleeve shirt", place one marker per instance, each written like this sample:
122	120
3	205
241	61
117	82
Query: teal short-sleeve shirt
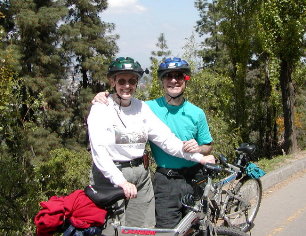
186	121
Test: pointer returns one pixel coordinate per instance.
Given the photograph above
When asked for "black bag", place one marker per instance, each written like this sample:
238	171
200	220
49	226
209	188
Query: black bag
104	196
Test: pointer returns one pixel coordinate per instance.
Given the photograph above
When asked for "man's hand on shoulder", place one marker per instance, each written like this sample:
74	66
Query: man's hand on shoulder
101	98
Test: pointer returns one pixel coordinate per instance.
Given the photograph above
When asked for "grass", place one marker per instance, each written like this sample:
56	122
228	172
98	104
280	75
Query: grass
276	162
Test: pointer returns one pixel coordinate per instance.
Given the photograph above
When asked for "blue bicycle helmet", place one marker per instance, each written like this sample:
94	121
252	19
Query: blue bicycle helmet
175	64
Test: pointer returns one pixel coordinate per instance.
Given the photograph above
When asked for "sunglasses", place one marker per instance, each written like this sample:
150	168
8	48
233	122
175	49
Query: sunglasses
177	76
131	81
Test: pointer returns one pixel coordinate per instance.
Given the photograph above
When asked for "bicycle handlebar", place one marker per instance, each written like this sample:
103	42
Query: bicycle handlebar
214	167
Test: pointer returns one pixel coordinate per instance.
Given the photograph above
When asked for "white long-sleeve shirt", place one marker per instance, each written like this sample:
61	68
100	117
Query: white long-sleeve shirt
120	134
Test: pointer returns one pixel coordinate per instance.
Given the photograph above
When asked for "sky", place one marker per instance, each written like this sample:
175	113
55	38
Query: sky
139	23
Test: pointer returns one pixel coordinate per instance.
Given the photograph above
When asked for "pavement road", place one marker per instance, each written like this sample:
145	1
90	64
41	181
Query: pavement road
283	207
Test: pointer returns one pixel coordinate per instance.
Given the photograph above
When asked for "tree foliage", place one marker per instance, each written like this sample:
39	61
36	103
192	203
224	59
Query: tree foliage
64	172
86	41
162	48
283	24
213	51
244	41
23	185
213	93
157	57
43	105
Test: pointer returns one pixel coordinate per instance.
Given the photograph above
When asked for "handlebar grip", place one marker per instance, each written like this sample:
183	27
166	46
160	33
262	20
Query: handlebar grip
213	167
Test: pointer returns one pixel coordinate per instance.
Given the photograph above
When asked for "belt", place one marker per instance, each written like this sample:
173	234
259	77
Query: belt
131	163
179	173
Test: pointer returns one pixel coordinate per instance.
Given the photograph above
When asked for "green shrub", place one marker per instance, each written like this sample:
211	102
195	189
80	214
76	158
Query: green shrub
64	172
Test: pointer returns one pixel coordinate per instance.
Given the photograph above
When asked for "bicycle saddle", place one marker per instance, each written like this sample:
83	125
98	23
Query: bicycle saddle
104	196
246	148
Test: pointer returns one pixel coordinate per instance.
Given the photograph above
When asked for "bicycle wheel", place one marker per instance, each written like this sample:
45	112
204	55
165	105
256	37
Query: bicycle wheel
227	231
241	214
223	231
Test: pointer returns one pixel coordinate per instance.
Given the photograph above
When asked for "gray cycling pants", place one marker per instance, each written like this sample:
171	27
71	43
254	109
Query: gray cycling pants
140	211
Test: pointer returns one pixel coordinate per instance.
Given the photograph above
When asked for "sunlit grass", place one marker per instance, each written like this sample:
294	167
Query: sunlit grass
269	165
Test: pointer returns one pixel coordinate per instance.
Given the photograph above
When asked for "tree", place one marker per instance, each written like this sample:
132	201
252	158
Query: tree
17	191
52	36
283	31
87	41
212	92
35	33
237	27
157	56
191	53
162	48
37	112
213	51
88	45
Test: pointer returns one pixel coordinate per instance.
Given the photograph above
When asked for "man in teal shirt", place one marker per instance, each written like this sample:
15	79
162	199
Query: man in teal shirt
172	179
186	127
173	176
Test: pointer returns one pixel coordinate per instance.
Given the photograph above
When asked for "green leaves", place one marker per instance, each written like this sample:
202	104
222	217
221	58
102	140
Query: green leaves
64	172
214	94
283	24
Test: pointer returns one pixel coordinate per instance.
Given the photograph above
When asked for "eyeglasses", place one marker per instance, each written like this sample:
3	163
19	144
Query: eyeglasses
131	81
177	76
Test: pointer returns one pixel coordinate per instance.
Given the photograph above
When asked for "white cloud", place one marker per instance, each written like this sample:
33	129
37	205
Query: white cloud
122	6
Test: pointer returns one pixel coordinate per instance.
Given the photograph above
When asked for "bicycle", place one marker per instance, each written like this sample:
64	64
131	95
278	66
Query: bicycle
227	206
235	205
195	223
235	199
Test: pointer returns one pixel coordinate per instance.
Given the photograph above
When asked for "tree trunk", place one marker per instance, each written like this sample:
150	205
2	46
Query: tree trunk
288	99
269	115
85	78
241	113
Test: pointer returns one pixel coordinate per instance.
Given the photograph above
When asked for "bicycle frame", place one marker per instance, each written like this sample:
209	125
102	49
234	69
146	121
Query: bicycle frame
193	218
198	218
218	190
185	225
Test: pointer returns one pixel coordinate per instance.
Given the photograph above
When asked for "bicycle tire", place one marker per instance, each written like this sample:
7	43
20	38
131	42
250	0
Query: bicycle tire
239	215
229	231
223	231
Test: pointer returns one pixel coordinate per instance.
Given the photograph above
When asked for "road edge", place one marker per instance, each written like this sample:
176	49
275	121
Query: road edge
274	177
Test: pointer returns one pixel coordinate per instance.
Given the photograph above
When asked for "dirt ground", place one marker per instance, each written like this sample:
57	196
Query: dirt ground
297	155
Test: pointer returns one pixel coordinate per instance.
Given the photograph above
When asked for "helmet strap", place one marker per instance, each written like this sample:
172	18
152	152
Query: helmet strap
177	96
120	98
174	97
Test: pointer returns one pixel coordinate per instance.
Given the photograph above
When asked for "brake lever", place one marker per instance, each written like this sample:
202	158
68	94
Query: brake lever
223	160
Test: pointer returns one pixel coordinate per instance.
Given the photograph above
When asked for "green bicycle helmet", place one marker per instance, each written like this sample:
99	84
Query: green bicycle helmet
175	64
124	64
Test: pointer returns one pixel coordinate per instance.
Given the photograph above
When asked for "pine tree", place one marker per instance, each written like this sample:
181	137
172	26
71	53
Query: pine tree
213	51
191	53
162	48
42	69
87	40
39	110
89	46
157	56
18	190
